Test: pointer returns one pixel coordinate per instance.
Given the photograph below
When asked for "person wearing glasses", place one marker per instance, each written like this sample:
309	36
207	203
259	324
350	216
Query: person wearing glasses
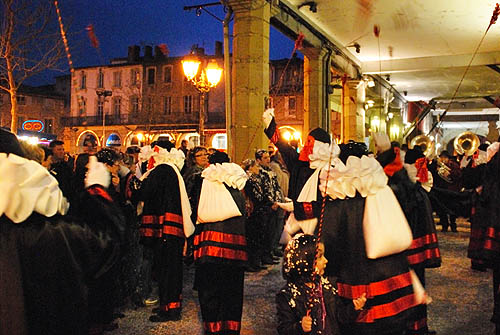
197	161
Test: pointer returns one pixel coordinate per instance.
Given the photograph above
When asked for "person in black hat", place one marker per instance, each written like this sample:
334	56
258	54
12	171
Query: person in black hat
424	251
296	163
165	225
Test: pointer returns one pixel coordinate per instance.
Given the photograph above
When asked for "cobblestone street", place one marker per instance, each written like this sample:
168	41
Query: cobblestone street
462	299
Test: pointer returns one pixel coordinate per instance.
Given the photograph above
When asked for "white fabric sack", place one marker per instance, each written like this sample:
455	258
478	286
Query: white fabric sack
385	228
216	203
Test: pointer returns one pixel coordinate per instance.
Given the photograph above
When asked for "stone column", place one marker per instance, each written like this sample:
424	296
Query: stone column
314	89
250	76
353	113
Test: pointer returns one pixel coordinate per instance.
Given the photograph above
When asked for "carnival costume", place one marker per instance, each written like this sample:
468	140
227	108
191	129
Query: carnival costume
220	248
46	259
424	250
165	224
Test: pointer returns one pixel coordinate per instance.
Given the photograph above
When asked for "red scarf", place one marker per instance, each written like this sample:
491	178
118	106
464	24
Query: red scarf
422	172
396	165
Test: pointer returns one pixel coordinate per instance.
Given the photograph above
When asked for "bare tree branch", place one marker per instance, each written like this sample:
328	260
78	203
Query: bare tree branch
29	44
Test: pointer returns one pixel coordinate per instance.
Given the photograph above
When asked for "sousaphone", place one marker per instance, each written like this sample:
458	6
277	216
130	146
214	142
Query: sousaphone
425	143
466	143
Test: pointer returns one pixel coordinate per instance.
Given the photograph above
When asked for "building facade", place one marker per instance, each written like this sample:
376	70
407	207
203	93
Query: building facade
40	111
140	98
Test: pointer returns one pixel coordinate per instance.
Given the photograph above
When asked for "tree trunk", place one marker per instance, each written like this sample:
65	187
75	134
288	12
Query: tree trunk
13	95
13	111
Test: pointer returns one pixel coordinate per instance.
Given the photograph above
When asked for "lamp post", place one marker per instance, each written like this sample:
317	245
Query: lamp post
101	97
204	81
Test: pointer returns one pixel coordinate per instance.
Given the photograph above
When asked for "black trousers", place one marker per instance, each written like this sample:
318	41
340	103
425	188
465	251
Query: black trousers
168	272
220	292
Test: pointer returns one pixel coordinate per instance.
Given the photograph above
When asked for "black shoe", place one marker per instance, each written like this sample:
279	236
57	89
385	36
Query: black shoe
155	310
161	317
252	268
164	317
444	230
454	230
269	261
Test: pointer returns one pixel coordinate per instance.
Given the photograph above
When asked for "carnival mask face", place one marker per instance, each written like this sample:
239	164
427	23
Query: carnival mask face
307	149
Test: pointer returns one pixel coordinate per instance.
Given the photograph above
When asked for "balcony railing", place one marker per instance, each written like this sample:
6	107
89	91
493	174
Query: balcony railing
95	120
213	119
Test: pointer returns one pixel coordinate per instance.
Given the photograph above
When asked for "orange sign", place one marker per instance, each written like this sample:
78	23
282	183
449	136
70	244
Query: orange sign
33	125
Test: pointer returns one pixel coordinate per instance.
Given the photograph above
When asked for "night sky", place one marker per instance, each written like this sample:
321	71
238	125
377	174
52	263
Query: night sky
120	23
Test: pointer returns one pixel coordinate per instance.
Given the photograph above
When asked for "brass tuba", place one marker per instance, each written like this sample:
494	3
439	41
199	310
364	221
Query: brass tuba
425	143
466	143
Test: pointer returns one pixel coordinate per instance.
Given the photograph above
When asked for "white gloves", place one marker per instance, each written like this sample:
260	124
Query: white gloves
286	206
464	162
267	117
382	142
123	171
97	173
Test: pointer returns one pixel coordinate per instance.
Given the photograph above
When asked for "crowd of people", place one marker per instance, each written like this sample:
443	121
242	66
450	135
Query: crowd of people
82	236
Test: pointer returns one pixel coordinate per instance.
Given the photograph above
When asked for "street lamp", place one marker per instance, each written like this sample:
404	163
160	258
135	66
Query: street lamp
101	97
203	80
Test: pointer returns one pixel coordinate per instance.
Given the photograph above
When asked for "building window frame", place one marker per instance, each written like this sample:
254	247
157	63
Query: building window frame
83	80
100	79
167	105
188	104
151	75
99	112
167	74
117	106
134	104
117	79
21	100
135	77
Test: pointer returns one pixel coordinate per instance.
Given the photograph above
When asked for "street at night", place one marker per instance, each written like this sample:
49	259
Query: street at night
462	299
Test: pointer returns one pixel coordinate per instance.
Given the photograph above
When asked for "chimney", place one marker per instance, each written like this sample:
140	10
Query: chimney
158	53
133	53
218	49
148	53
200	51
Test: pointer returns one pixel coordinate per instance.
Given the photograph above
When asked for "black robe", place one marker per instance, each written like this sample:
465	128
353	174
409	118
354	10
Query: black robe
46	265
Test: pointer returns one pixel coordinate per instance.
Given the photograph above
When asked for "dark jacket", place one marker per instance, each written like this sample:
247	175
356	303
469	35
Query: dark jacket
292	307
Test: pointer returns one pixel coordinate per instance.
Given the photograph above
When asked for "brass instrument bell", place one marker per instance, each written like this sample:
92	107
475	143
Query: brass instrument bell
425	143
466	143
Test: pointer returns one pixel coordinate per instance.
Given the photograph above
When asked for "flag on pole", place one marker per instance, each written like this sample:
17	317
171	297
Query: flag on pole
93	39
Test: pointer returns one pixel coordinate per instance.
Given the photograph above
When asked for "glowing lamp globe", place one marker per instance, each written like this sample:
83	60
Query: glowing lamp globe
214	73
190	67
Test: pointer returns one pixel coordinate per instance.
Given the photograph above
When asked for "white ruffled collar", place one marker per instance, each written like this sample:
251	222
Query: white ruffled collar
363	175
28	187
230	174
174	156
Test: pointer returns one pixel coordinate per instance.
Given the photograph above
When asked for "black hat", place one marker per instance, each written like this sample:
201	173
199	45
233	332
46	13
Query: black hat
218	157
9	143
412	155
352	148
165	144
320	135
107	156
